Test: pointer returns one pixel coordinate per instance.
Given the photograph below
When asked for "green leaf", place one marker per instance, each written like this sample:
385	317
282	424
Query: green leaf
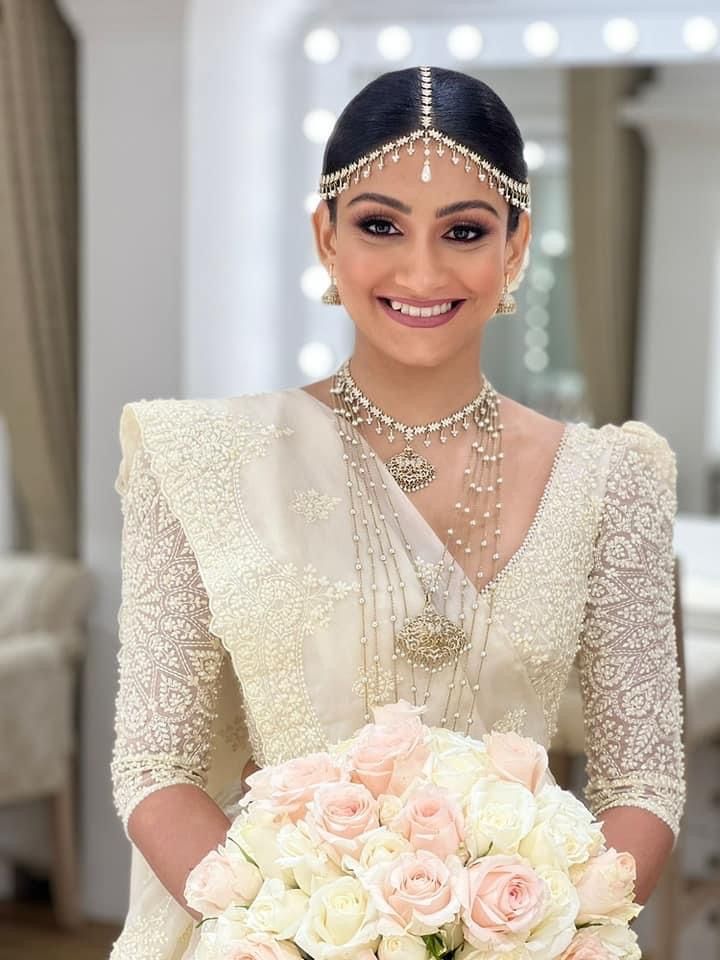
435	945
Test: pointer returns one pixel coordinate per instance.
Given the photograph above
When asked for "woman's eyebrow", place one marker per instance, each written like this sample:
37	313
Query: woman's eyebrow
441	212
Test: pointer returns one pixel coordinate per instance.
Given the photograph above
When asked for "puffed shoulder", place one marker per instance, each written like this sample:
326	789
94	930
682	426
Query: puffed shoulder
648	448
130	431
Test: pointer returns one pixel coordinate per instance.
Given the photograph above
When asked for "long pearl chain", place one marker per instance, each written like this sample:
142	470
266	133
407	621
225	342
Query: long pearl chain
370	505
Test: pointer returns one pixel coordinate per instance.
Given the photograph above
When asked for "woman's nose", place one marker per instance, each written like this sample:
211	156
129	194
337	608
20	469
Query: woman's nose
421	271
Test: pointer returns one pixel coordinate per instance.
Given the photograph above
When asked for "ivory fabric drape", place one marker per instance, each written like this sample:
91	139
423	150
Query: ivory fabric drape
38	269
607	172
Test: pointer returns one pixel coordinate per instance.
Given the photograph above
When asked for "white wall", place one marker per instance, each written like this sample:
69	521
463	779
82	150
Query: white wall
132	113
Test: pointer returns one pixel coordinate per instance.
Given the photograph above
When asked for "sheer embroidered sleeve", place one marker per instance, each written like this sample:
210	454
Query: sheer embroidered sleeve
629	675
169	663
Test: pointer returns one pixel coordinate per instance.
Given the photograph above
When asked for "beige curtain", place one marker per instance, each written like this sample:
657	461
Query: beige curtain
38	269
607	172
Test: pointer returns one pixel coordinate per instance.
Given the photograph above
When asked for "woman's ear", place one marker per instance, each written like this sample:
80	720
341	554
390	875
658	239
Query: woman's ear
517	244
324	233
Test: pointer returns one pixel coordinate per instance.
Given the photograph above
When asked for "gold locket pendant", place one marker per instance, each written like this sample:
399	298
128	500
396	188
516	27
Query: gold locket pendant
410	470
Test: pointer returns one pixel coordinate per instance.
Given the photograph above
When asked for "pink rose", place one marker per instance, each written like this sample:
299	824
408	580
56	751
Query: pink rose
287	788
341	814
605	885
502	899
387	714
387	758
431	820
610	941
517	759
586	945
412	893
259	947
219	880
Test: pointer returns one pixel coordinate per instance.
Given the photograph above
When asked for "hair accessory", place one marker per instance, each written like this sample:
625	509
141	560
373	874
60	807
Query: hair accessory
507	302
332	294
516	192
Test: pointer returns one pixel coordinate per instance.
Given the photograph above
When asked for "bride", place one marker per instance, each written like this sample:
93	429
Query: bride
399	530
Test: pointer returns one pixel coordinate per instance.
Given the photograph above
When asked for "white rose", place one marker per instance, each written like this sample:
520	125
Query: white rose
307	862
277	910
498	813
230	925
407	947
380	844
567	825
389	806
207	947
340	923
255	831
619	941
456	762
555	931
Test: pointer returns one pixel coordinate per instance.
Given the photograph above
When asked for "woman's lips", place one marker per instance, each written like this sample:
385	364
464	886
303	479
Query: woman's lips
408	321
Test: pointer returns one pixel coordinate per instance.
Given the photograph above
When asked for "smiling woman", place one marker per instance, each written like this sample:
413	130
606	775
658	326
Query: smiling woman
288	568
443	233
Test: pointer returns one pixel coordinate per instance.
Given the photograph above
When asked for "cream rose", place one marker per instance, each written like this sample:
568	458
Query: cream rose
340	816
498	813
255	831
389	806
307	862
276	910
405	947
432	820
607	942
517	759
381	846
605	886
457	763
387	759
412	893
287	788
220	879
568	825
501	898
557	928
340	923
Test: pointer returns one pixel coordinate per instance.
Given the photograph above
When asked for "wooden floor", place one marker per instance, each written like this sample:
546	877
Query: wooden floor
28	932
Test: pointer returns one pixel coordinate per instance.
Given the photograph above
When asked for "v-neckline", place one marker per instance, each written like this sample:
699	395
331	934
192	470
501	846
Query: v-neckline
420	520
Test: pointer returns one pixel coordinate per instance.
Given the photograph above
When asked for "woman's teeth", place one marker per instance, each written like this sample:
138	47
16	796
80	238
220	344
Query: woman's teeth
411	311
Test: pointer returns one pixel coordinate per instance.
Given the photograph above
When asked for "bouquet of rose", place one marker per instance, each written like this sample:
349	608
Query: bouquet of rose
409	842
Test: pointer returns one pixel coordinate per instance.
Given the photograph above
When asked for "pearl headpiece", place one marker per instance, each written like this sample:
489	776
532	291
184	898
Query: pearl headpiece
516	192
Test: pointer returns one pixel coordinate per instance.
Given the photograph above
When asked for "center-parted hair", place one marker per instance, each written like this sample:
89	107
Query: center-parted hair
463	108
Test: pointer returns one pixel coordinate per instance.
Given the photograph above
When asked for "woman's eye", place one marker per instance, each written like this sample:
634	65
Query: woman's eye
466	232
379	227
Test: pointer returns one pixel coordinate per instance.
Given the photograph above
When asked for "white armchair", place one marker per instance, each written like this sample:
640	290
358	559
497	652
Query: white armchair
44	601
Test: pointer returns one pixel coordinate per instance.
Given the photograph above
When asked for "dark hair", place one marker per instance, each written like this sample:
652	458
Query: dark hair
464	108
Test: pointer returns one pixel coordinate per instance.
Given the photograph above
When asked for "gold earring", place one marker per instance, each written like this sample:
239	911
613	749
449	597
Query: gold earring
332	295
507	302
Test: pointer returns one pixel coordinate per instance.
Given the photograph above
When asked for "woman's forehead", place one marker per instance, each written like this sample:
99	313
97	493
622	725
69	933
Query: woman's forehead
450	185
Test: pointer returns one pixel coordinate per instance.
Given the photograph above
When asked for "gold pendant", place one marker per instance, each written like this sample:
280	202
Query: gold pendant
410	470
430	640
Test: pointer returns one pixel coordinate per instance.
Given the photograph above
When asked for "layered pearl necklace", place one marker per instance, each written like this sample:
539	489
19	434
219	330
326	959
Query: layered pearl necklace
428	640
410	470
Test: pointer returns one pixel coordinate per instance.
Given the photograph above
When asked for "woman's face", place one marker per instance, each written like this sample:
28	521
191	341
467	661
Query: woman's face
401	247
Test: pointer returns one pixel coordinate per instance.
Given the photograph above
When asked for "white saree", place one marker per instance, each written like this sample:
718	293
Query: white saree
239	624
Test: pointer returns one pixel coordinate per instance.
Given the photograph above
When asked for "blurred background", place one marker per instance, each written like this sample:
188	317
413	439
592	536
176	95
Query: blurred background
157	168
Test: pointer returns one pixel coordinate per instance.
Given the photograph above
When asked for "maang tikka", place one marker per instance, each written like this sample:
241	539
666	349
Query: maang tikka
515	192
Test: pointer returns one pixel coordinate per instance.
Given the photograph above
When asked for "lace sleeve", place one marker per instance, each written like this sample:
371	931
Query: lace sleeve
629	675
169	663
